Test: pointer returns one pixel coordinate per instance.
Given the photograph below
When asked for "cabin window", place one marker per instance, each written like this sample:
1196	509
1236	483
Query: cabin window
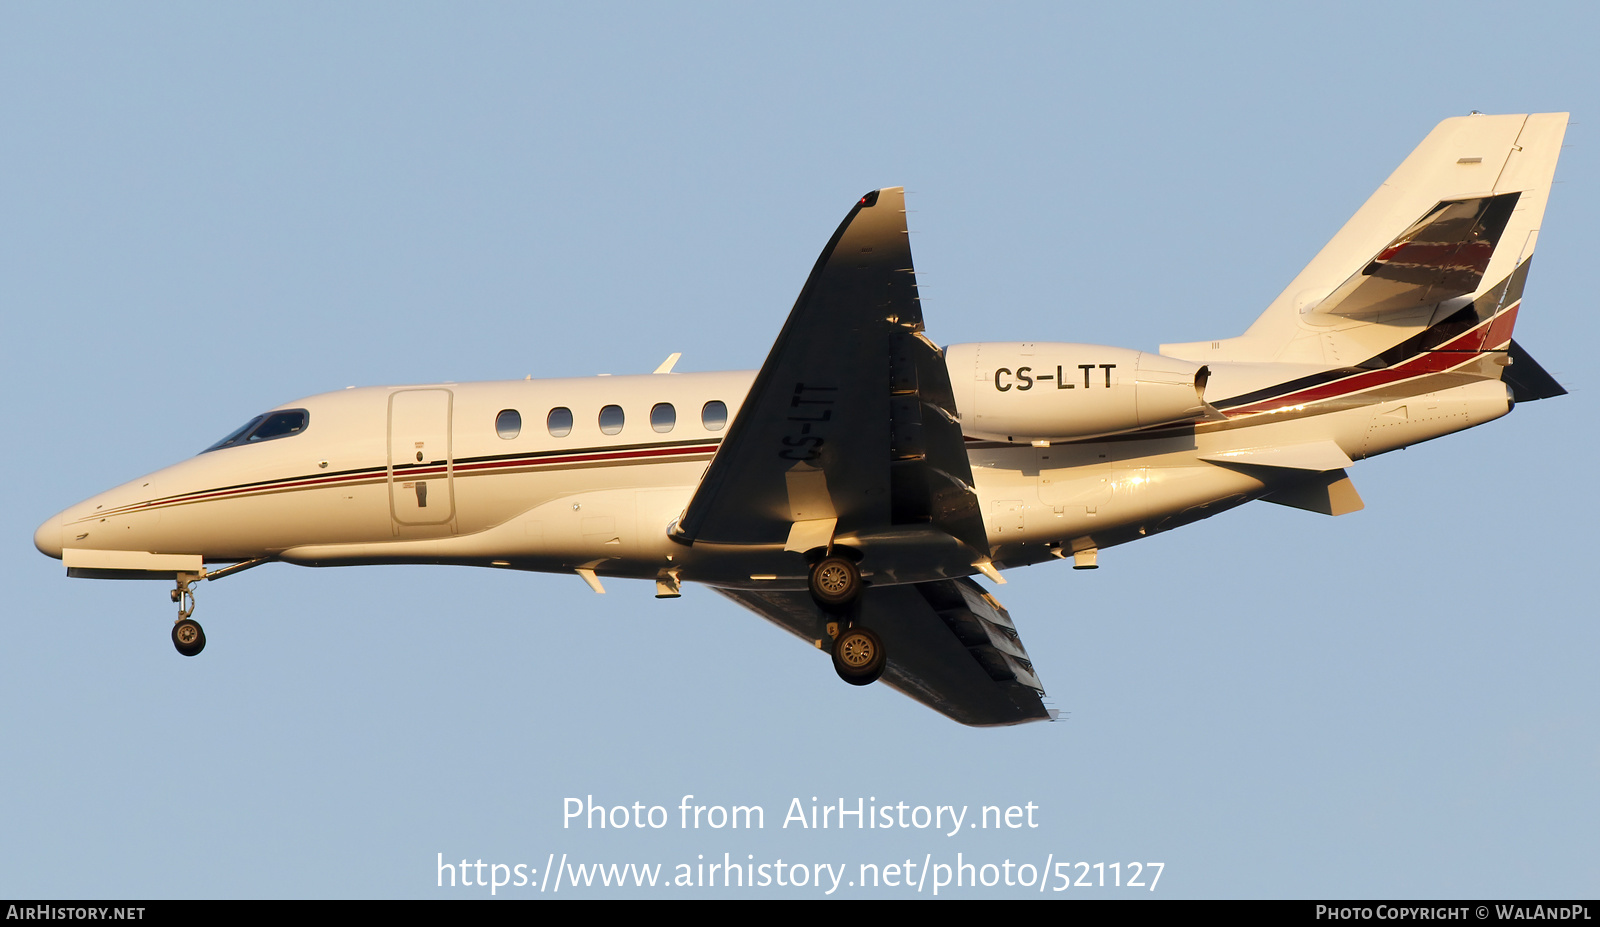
715	415
663	417
560	422
611	420
267	427
508	424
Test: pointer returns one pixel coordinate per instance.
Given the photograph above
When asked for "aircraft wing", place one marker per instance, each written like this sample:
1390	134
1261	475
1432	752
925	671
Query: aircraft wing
951	646
850	426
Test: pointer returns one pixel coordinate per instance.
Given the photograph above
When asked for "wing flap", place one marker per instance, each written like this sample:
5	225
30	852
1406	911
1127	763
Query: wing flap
951	646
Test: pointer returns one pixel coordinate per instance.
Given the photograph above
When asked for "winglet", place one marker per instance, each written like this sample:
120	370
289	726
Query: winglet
666	365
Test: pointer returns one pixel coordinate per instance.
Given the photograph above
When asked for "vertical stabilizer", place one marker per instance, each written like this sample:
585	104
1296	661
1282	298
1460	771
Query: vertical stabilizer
1441	248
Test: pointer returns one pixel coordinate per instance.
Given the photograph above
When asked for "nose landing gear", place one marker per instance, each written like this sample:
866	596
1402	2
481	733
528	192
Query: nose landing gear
187	635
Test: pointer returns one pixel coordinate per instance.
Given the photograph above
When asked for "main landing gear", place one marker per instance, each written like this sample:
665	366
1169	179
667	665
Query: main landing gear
187	635
858	654
835	582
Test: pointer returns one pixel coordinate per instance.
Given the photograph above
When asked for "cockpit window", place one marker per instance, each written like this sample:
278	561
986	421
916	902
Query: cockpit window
234	436
266	428
280	425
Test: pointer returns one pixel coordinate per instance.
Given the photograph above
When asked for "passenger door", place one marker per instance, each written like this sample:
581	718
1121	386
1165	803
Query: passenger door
421	466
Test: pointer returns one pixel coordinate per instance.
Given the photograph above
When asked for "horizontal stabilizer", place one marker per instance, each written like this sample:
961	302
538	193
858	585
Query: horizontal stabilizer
1317	456
1528	380
1329	493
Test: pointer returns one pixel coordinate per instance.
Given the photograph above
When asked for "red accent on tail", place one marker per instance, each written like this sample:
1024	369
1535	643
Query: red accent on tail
1499	334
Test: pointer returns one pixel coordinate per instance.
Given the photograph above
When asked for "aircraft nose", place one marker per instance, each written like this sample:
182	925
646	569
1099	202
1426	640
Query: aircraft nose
48	538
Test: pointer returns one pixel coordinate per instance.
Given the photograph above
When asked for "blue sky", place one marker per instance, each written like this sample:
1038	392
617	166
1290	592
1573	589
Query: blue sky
213	210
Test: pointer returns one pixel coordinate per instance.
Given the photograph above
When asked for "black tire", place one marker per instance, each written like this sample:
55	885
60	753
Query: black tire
858	656
835	581
188	637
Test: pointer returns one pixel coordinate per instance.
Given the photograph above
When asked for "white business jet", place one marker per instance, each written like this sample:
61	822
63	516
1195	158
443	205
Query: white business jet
851	488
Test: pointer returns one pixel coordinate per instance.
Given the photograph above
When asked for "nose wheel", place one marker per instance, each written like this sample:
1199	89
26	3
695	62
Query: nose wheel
188	637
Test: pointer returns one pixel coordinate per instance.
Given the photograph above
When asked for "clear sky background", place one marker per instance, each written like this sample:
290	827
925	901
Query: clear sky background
207	210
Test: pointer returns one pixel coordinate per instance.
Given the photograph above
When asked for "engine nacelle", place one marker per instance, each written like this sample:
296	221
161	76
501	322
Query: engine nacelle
1045	391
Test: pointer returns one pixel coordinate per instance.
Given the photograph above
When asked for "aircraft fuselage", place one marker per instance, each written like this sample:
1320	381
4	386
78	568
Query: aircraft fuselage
437	473
849	489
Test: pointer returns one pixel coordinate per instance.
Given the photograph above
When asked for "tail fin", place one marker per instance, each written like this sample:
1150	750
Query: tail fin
1433	262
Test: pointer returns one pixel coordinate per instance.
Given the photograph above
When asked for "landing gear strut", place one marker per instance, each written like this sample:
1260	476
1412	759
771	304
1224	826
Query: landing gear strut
187	635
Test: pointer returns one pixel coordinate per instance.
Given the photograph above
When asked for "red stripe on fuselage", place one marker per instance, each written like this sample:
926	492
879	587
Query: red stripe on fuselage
586	458
418	472
1462	350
